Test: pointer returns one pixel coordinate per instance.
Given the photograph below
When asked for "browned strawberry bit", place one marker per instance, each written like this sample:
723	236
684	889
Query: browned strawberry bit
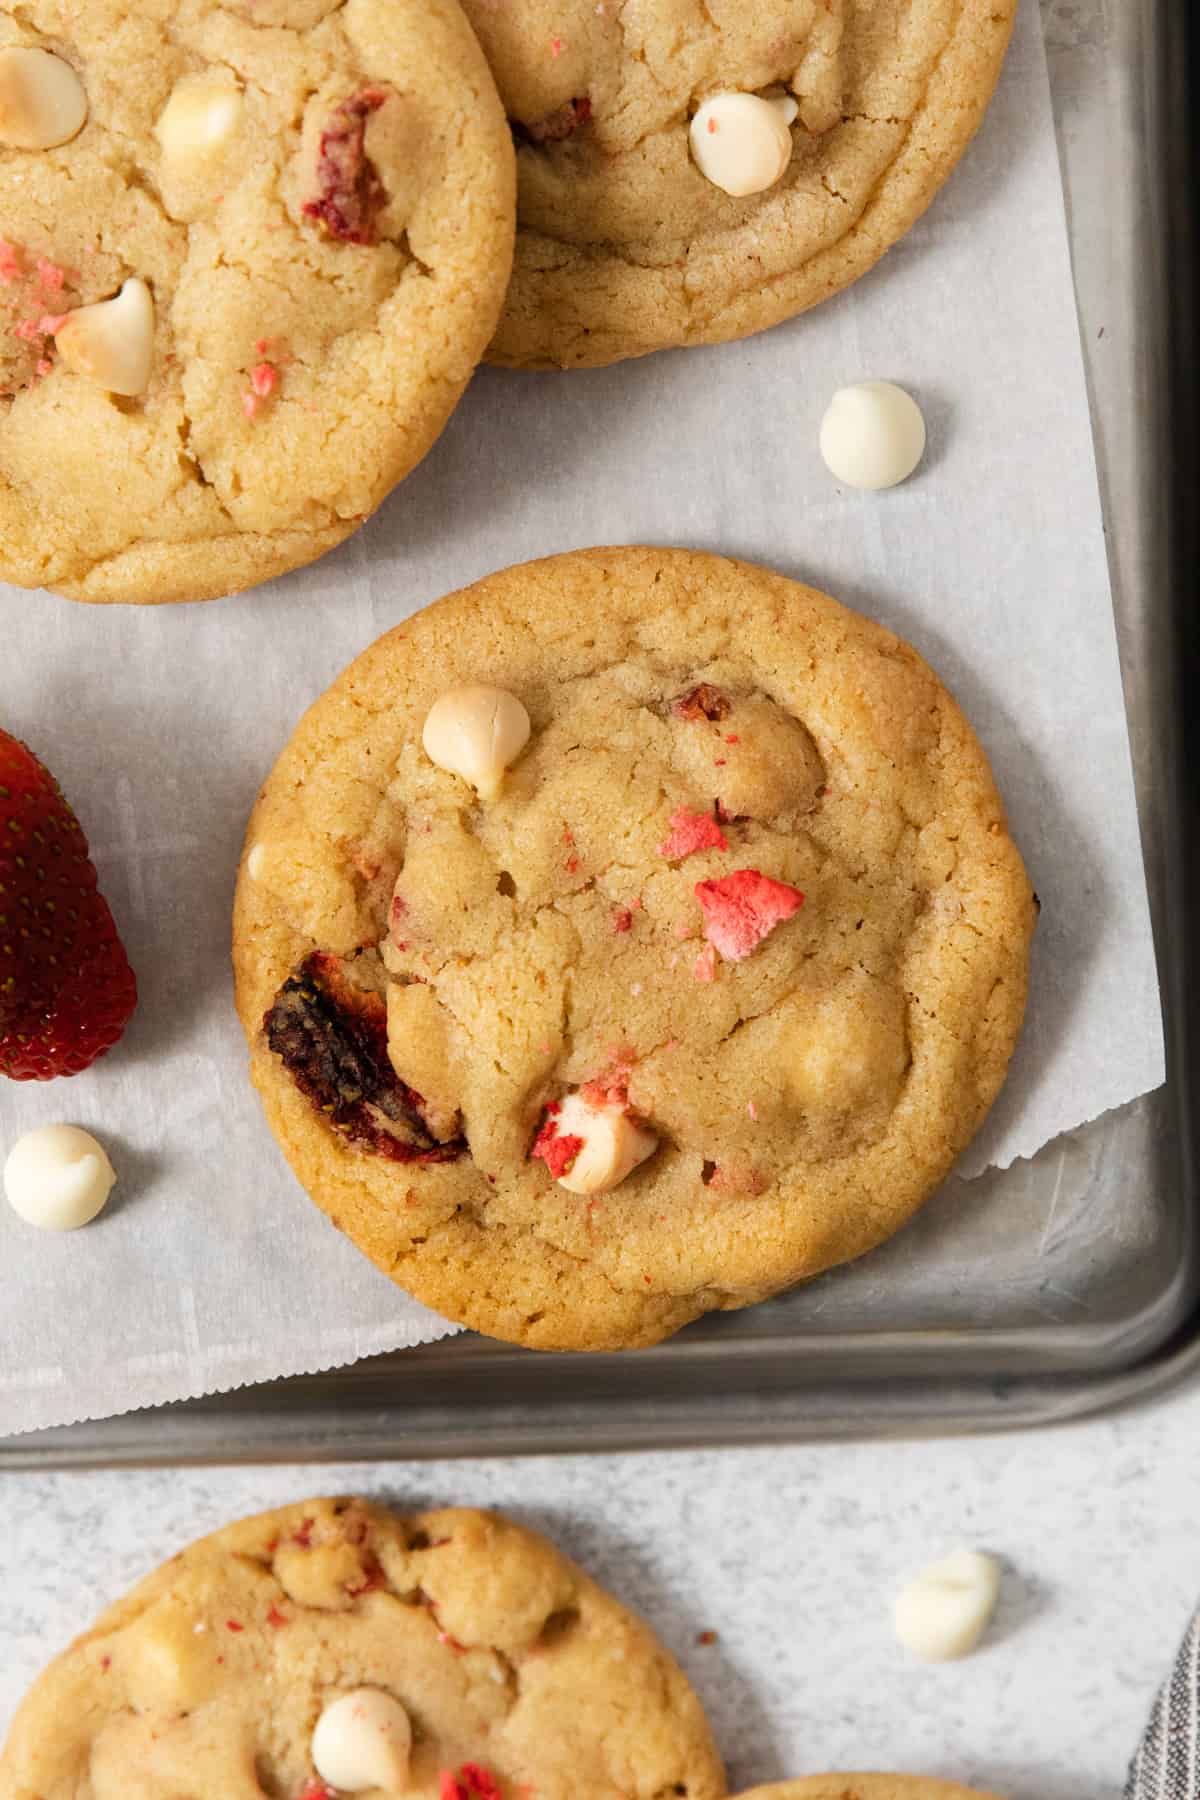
331	1036
557	126
701	702
351	196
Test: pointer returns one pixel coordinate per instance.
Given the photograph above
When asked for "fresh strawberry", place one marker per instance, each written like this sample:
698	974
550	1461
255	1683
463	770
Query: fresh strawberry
66	987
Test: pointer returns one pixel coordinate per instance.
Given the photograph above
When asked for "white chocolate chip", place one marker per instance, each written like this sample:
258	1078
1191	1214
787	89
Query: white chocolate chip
873	435
58	1177
363	1740
476	732
112	342
943	1612
613	1145
743	143
42	100
255	859
200	120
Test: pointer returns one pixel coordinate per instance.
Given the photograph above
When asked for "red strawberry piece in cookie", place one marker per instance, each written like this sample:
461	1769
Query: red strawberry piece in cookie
331	1036
351	195
701	702
742	909
691	831
66	988
558	1153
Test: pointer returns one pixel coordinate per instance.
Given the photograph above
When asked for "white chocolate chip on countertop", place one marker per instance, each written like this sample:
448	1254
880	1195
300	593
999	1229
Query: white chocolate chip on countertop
613	1145
200	120
944	1611
476	732
363	1740
58	1177
112	342
42	100
743	143
873	435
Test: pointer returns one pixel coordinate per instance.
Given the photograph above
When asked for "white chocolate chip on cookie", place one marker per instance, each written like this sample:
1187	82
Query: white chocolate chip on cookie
476	732
112	342
200	120
58	1177
613	1144
363	1740
873	435
743	143
943	1612
42	100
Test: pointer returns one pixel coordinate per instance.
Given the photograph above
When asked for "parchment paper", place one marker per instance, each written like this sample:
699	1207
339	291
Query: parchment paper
210	1267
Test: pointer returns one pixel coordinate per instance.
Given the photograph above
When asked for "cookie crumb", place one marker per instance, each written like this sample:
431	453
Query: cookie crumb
706	1637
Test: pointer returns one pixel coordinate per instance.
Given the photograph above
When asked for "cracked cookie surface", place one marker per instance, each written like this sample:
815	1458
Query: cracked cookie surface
209	1677
624	247
709	741
326	264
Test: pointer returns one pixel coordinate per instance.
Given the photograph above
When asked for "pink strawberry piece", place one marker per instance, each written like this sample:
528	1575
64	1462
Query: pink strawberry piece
741	909
705	966
691	831
558	1153
622	919
11	266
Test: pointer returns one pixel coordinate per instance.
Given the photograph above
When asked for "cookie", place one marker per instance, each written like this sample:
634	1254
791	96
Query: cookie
292	220
690	983
449	1655
692	173
865	1787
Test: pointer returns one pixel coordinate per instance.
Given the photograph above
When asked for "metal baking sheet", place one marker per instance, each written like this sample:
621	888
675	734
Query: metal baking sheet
1061	1285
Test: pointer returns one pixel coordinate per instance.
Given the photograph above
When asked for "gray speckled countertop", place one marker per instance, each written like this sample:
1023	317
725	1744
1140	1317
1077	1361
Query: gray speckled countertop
792	1556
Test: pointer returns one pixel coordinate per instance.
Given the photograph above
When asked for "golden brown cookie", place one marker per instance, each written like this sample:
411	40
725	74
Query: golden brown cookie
514	1673
865	1787
297	216
737	946
624	245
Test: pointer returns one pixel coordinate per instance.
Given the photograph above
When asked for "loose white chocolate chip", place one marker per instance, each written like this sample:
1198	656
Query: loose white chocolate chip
112	342
743	143
613	1145
943	1612
58	1177
476	732
42	100
873	435
200	120
363	1740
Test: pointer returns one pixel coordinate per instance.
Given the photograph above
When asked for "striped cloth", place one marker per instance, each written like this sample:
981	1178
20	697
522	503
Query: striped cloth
1167	1763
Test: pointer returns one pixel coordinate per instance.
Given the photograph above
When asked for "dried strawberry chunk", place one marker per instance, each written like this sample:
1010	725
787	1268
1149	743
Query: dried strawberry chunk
558	1153
691	831
480	1781
556	126
702	702
331	1036
351	195
741	909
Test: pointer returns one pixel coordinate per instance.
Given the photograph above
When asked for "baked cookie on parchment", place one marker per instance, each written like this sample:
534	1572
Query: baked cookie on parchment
694	172
334	1646
250	254
626	937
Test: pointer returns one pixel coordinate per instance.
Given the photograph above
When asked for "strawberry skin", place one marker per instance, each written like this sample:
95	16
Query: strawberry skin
66	988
